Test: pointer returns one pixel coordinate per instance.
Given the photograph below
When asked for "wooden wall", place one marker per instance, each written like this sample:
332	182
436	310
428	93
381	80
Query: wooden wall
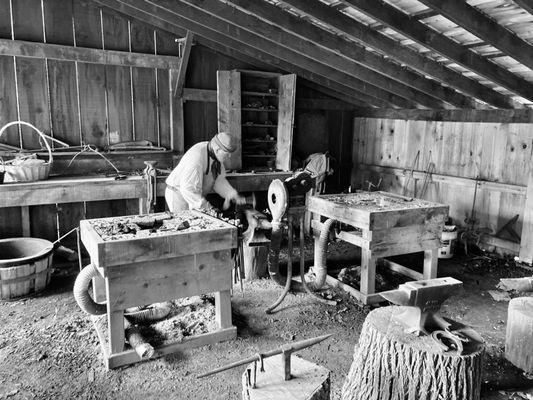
494	157
82	103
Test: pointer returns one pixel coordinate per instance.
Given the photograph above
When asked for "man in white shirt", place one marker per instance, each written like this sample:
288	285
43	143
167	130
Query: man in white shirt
200	171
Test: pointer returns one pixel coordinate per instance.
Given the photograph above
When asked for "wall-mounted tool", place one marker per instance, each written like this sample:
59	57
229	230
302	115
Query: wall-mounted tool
150	174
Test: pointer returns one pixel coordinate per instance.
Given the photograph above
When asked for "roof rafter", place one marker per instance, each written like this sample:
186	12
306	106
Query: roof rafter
485	28
333	43
525	4
204	20
274	36
427	37
166	20
393	49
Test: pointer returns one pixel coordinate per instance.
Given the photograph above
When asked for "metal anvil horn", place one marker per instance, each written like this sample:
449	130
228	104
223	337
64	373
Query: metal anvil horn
422	300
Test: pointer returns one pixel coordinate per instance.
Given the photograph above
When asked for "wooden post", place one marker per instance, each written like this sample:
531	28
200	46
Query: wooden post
526	243
519	335
390	363
255	262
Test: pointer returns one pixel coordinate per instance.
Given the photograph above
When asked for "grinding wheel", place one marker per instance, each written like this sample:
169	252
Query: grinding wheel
277	199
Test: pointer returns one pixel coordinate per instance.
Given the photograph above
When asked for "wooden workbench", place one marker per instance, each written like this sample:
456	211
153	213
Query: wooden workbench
137	271
95	188
383	224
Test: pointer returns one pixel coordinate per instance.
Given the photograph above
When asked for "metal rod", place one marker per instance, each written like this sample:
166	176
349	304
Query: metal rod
290	348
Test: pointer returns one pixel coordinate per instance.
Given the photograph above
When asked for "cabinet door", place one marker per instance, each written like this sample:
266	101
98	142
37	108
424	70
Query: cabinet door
286	104
229	112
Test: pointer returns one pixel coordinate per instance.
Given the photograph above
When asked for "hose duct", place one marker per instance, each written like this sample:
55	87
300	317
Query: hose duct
81	291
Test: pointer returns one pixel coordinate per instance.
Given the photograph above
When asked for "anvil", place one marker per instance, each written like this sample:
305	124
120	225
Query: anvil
422	300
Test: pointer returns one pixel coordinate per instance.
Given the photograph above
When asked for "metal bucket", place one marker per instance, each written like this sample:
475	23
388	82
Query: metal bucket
25	266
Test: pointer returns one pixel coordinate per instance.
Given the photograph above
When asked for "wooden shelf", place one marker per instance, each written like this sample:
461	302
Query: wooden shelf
259	94
259	141
261	109
259	155
261	125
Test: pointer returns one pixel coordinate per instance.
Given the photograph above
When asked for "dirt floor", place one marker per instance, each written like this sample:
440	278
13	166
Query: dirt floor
49	349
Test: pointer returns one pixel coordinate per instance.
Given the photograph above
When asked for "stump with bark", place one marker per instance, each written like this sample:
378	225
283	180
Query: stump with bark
519	334
391	364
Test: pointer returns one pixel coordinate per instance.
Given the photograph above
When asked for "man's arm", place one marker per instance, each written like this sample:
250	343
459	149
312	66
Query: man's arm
225	190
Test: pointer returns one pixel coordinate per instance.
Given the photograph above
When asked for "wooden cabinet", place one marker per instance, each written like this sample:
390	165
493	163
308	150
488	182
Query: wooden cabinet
258	109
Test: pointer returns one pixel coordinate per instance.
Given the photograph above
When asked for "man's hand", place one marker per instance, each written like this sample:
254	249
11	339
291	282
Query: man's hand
237	199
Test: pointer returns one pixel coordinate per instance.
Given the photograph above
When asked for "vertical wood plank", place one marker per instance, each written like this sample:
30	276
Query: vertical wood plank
118	81
286	104
58	22
10	225
368	272
229	112
8	101
64	101
5	19
166	45
144	86
33	99
88	33
430	263
526	243
223	309
25	220
27	20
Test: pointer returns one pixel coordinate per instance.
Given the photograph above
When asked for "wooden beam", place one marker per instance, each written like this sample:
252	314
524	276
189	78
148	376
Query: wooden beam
447	179
170	22
187	45
525	4
19	48
391	48
273	36
210	96
207	15
503	116
485	28
353	52
427	37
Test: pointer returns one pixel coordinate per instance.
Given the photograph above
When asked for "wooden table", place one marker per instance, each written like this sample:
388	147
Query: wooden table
137	271
70	189
383	224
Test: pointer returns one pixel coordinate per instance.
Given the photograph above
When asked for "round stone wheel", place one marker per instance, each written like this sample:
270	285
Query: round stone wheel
391	364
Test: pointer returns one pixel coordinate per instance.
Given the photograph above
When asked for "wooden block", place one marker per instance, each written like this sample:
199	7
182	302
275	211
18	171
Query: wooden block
519	333
308	381
431	260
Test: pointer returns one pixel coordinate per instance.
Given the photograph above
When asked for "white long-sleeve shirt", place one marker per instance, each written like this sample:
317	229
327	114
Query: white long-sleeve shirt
191	181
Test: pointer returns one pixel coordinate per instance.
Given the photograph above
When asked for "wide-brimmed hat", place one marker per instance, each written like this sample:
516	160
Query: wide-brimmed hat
225	141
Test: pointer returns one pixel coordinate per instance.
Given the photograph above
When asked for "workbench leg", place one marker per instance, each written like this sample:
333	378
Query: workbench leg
368	272
223	309
115	323
25	220
430	263
99	289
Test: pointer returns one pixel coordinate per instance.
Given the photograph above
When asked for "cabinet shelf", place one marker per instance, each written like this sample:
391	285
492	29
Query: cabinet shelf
259	94
261	125
260	109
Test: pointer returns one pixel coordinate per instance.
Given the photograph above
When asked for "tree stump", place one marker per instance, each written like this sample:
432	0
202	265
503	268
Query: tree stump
391	364
255	262
309	381
519	333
